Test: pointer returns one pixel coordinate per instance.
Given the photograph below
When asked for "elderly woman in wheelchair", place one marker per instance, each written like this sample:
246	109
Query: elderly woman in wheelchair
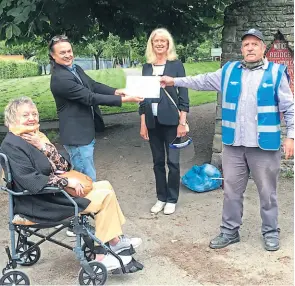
36	186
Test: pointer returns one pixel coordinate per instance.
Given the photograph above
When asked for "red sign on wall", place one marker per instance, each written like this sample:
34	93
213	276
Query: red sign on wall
281	54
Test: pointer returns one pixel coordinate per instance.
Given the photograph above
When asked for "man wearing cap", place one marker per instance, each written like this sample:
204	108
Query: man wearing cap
254	92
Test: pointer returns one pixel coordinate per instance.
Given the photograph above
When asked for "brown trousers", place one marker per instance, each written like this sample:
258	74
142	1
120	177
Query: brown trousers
108	214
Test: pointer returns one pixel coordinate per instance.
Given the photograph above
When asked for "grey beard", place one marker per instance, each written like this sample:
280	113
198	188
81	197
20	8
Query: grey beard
252	65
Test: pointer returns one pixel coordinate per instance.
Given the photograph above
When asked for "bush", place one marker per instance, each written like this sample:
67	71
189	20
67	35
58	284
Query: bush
190	60
18	69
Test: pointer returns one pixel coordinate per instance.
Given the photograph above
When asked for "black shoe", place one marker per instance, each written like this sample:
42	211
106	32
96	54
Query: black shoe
223	240
271	243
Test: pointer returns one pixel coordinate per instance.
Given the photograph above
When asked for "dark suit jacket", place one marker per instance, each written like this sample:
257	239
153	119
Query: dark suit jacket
77	123
30	170
167	112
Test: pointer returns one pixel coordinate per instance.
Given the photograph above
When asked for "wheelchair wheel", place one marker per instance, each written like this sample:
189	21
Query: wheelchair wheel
15	278
31	257
88	253
100	271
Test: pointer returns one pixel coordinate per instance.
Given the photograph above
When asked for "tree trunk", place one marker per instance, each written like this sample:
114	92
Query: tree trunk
96	56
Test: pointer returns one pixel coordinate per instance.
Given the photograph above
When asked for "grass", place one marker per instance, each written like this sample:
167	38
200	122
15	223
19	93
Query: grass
38	89
288	174
201	97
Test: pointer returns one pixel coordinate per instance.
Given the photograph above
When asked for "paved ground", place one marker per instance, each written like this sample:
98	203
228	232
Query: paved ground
175	248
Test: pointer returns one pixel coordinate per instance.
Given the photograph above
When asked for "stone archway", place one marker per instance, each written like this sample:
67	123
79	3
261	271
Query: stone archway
275	19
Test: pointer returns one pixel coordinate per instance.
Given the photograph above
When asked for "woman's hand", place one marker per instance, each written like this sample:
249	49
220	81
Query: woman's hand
33	139
181	131
75	184
144	131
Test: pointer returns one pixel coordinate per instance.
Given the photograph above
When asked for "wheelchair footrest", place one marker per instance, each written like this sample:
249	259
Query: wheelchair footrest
132	267
127	252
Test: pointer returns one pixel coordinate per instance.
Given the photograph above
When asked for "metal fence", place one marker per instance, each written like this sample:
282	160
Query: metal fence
88	64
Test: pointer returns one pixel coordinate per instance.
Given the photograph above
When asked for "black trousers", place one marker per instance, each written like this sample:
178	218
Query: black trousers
159	138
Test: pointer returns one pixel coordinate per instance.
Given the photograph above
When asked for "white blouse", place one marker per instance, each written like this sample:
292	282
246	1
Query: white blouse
158	70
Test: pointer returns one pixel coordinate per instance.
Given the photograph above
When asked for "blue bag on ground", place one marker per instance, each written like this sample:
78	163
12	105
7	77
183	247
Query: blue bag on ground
202	178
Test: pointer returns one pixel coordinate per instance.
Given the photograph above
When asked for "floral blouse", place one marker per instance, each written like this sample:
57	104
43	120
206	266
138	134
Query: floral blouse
58	163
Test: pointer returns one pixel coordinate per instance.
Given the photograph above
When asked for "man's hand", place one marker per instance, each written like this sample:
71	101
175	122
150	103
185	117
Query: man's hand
129	98
120	92
144	131
33	139
288	147
166	81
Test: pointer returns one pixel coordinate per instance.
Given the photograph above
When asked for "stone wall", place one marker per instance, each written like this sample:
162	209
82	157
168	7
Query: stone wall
269	17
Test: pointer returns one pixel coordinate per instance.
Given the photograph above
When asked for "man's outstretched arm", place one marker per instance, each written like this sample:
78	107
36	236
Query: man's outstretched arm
209	81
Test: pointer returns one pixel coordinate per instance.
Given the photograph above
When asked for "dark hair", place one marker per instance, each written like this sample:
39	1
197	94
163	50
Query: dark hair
53	41
57	39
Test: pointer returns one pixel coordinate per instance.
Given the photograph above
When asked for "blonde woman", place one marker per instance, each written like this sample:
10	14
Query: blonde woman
160	119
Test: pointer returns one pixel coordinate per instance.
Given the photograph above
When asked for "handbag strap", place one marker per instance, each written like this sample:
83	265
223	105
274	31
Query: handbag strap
169	96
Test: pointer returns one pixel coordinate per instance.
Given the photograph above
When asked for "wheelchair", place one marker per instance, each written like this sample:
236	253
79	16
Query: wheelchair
26	253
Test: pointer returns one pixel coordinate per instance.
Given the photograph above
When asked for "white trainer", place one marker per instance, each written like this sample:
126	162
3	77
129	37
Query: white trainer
169	208
111	262
135	241
70	233
159	206
125	243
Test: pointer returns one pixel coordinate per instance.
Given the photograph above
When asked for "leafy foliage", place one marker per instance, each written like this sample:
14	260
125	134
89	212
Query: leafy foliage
18	69
186	19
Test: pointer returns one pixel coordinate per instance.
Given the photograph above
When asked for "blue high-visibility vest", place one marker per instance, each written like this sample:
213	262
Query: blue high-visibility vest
268	116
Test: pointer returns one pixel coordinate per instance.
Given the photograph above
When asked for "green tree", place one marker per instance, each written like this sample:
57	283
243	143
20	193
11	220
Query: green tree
204	50
116	50
92	45
186	19
41	57
27	49
138	47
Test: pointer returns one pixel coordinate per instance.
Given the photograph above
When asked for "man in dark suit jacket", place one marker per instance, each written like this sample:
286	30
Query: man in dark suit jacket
77	97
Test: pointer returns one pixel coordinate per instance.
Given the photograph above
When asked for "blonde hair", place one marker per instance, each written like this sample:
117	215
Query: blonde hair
150	54
11	109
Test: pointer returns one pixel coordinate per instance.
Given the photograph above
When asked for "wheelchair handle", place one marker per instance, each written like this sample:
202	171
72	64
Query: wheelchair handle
7	172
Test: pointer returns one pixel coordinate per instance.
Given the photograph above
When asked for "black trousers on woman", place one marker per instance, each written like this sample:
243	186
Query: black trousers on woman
159	138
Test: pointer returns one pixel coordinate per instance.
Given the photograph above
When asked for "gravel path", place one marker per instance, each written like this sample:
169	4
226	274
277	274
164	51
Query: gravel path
175	248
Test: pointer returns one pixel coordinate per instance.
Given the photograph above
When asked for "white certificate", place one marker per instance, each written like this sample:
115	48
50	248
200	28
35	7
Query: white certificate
144	86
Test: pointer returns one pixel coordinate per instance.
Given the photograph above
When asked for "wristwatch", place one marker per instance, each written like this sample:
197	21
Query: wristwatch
183	124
